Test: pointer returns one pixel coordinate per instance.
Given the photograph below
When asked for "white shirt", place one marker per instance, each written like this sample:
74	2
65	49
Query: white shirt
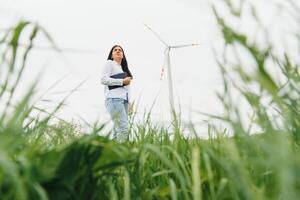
110	68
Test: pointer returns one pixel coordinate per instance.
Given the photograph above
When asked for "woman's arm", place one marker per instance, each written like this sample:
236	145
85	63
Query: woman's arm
105	76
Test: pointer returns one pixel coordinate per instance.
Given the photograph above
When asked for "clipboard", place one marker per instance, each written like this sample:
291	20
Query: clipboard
117	76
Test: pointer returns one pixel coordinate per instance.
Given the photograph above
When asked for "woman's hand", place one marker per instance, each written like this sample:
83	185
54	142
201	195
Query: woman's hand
126	81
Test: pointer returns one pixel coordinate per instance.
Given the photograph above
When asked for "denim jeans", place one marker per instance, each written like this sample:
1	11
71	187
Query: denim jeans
118	110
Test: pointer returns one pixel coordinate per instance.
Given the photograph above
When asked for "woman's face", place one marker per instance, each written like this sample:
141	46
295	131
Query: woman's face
117	53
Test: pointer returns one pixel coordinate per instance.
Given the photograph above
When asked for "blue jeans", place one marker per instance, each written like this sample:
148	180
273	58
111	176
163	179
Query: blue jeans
118	110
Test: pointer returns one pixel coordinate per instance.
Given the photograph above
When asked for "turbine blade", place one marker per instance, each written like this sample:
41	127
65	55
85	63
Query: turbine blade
184	45
156	35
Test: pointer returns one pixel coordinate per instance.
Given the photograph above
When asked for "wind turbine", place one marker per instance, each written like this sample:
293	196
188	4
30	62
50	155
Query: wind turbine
167	60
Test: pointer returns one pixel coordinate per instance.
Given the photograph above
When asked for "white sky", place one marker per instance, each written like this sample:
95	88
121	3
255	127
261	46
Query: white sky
98	25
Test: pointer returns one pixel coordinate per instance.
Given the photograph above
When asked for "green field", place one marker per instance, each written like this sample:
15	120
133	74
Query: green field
42	160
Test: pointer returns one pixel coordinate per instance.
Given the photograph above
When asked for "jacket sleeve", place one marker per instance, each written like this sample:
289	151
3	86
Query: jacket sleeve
105	76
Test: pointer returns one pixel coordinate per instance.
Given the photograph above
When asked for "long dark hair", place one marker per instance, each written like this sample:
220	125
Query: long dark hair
124	63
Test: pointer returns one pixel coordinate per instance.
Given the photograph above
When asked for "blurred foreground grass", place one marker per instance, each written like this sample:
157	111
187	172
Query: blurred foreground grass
39	160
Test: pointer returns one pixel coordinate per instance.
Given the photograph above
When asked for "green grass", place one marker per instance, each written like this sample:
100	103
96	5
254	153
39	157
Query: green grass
42	160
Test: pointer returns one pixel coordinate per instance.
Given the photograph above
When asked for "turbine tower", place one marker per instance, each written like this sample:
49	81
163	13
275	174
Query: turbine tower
167	61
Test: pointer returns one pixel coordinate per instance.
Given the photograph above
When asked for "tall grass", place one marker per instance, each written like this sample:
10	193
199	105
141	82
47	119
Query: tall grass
42	160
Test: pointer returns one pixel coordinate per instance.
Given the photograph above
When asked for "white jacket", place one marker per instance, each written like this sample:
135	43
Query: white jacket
110	68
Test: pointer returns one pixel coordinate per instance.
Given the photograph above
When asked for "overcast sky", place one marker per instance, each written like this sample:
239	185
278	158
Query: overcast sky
93	27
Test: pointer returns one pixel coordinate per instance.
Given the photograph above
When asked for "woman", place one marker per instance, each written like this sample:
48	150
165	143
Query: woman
117	77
